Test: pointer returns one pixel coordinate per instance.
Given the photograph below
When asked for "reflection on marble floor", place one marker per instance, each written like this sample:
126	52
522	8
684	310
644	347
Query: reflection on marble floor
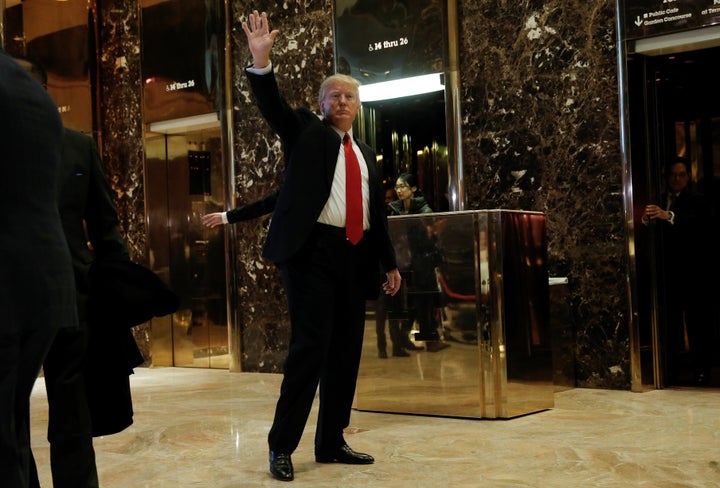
208	428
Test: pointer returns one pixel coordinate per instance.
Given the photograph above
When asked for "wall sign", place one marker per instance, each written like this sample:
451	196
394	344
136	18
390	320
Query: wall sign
180	43
647	18
377	40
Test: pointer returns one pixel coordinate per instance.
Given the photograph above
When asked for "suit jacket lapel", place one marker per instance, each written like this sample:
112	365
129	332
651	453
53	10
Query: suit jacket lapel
332	146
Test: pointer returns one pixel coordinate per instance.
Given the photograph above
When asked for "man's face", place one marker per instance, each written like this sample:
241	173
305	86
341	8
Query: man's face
340	105
678	177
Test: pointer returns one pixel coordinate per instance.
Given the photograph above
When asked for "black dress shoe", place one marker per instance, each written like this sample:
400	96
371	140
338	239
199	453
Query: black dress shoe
432	337
345	455
400	353
382	354
281	466
410	346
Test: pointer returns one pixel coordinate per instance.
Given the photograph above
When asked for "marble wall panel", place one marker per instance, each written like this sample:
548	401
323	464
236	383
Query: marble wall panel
540	132
120	120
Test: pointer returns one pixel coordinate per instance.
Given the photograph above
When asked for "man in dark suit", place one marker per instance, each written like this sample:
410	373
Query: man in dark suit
327	278
36	276
91	228
683	221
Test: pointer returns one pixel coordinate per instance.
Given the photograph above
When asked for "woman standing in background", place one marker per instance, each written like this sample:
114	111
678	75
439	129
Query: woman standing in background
423	293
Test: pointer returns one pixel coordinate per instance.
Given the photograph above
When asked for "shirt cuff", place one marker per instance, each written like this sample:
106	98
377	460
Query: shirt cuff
224	217
671	220
260	71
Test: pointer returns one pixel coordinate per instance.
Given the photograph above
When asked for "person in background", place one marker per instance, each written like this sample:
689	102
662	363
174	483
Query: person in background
91	228
394	306
682	222
423	294
410	199
35	263
329	267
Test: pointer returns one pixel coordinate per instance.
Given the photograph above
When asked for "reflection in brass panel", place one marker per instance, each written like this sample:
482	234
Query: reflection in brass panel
181	176
162	352
180	68
59	37
491	307
157	240
184	103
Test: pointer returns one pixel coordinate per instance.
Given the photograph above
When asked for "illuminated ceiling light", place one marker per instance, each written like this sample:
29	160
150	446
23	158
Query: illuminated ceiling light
679	41
186	124
401	88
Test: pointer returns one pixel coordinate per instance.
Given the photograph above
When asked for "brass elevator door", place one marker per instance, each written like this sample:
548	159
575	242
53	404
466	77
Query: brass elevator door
183	182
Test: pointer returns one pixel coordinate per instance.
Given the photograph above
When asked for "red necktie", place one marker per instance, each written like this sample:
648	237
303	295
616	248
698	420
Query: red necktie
353	194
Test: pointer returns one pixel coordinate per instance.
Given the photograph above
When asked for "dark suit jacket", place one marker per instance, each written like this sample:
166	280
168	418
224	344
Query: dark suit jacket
36	276
687	242
37	296
87	210
311	148
89	215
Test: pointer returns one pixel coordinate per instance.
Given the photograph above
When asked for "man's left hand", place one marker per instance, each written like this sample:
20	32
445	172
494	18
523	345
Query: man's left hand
392	285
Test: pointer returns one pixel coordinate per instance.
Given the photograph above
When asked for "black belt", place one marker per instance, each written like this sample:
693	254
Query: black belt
333	230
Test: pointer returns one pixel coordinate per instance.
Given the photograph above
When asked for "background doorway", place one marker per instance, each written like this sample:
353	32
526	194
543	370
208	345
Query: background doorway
183	182
674	111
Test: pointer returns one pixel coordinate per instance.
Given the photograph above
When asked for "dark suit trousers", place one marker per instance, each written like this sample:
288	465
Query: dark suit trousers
392	307
325	292
21	358
72	456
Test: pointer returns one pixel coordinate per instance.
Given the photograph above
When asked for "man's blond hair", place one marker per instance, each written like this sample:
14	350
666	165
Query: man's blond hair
338	77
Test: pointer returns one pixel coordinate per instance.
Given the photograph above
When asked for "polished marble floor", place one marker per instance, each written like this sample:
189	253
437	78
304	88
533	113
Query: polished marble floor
208	428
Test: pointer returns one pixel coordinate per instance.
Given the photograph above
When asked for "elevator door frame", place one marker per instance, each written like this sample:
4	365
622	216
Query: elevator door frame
645	140
186	93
